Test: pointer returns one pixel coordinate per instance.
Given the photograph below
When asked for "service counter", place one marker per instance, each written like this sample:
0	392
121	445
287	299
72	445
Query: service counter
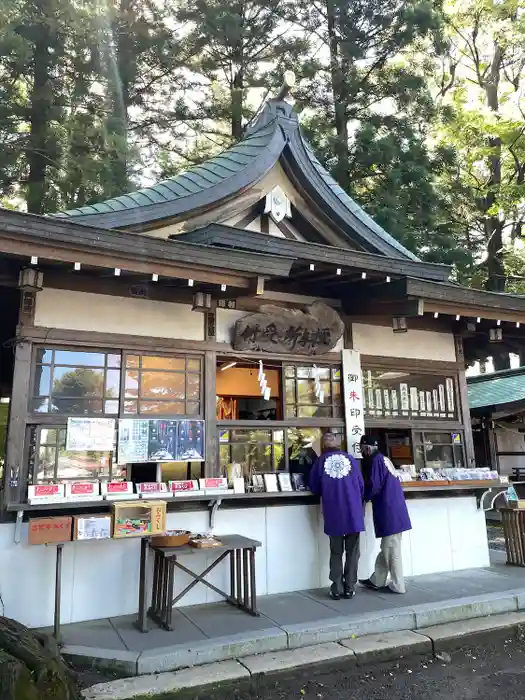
100	578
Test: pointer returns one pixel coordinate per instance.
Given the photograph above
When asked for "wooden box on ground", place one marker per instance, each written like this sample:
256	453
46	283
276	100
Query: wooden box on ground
140	519
50	530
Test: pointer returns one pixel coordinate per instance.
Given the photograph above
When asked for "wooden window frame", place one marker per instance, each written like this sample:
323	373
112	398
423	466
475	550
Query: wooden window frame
435	429
47	417
298	364
175	355
38	444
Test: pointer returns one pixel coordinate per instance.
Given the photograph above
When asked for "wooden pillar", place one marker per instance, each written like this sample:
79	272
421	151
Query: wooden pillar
210	413
463	403
348	342
15	469
490	437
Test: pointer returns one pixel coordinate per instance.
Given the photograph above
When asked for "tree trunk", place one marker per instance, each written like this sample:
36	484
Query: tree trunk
236	105
493	225
30	667
237	86
120	69
41	103
339	97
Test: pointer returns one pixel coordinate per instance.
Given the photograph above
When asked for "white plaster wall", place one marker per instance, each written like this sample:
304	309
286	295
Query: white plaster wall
448	534
413	345
224	323
57	308
100	579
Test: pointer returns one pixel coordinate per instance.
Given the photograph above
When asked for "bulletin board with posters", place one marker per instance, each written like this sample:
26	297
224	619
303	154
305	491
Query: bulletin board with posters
160	440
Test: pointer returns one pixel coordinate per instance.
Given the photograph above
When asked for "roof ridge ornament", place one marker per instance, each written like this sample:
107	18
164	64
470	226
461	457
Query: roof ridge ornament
274	107
277	205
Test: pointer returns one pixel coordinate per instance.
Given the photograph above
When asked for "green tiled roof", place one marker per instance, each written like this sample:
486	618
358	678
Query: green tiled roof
274	137
507	386
196	179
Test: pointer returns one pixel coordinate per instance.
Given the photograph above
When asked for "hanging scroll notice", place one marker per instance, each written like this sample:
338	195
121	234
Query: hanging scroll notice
450	396
414	401
420	396
353	397
379	400
395	405
422	403
441	390
90	434
386	396
435	401
370	392
405	403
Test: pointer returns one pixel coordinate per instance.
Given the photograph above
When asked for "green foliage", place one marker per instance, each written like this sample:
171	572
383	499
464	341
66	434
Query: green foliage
482	86
416	108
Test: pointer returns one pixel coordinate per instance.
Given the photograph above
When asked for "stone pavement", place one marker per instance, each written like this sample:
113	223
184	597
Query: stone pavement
218	632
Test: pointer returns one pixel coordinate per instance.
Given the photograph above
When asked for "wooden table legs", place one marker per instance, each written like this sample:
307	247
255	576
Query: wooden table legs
242	593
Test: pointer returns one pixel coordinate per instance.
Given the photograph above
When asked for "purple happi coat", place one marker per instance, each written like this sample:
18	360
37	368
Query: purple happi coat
385	492
336	477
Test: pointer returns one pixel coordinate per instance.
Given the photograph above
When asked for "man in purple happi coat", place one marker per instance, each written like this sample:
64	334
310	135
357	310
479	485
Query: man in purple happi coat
391	519
336	477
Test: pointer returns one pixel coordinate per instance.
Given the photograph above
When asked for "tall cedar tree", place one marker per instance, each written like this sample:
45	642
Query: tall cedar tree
144	65
367	111
238	47
85	88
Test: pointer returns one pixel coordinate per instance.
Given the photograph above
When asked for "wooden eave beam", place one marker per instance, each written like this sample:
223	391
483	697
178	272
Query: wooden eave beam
409	308
221	236
37	232
473	312
123	262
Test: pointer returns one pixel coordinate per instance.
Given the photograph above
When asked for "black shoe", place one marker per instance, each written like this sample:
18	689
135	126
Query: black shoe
348	594
367	583
334	592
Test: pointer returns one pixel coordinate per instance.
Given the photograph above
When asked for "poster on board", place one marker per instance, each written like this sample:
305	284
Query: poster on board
90	434
190	442
160	440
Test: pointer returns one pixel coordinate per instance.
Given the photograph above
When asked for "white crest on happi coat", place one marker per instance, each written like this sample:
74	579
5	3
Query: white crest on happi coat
278	205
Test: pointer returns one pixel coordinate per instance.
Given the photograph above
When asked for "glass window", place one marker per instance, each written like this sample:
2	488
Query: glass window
257	451
438	450
75	382
53	463
409	395
162	385
312	392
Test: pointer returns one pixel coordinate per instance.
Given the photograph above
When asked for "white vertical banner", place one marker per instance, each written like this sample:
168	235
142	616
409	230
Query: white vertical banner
353	398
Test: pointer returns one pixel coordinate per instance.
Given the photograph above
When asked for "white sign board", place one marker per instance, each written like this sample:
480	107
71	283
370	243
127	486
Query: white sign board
353	398
90	434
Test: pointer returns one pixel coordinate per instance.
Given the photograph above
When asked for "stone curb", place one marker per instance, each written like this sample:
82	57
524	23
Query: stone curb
298	636
362	651
457	634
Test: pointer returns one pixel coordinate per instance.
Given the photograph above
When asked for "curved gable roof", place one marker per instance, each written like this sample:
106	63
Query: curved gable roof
274	137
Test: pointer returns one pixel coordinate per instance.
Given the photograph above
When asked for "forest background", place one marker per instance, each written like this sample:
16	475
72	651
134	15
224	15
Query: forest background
417	108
